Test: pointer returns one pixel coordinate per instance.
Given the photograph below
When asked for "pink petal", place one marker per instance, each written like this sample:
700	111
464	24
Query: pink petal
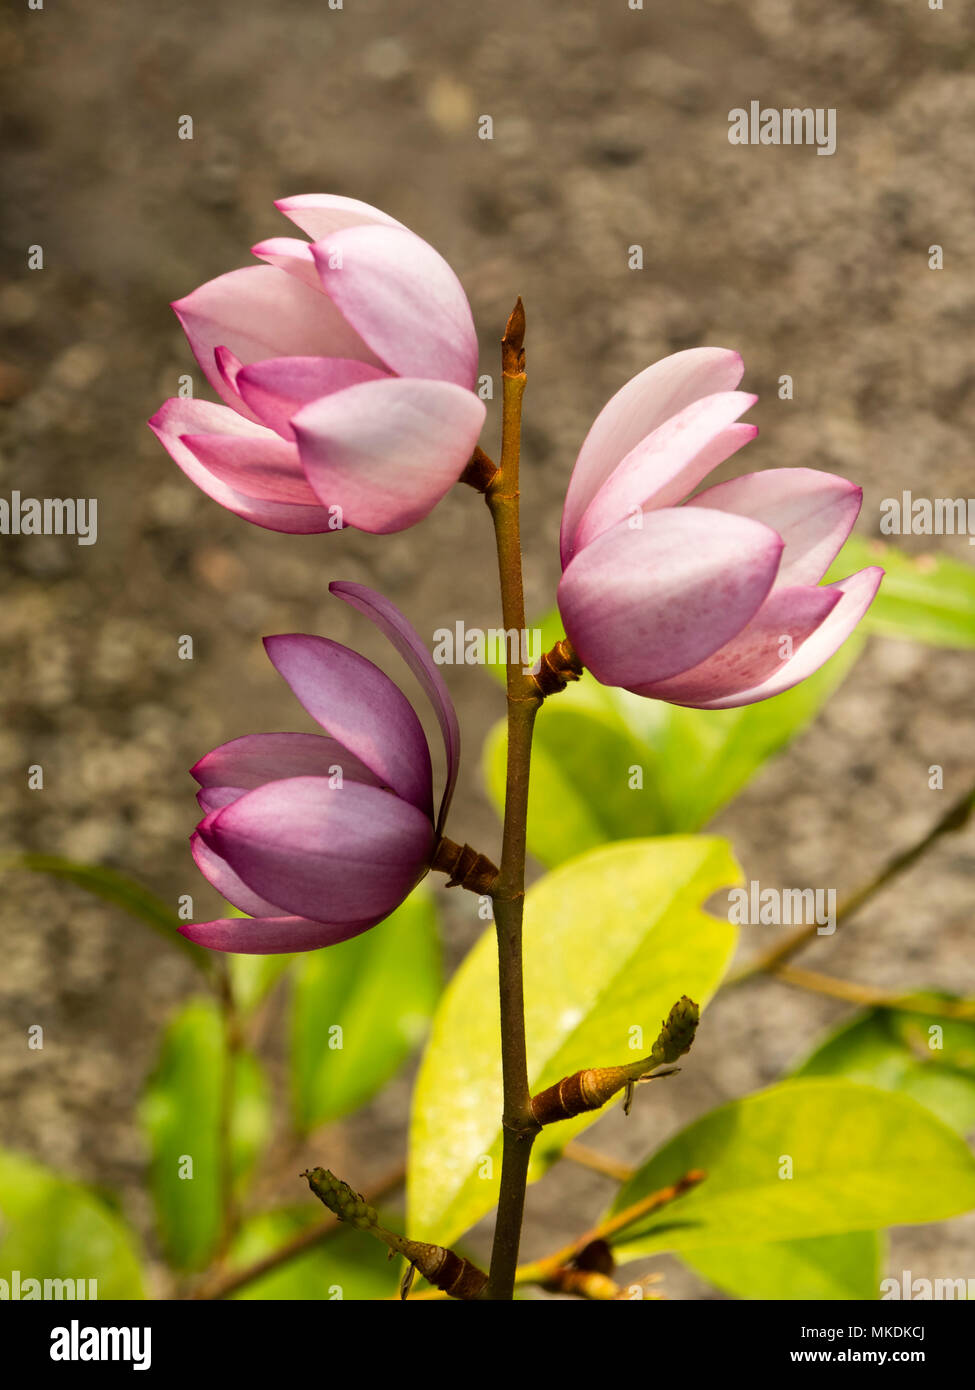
269	936
756	653
415	653
403	299
290	254
320	214
212	799
179	418
643	604
251	761
264	467
340	854
361	707
386	452
636	410
857	594
812	511
668	464
277	389
261	312
228	884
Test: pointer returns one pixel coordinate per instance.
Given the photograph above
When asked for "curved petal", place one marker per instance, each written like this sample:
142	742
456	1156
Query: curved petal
387	451
644	604
361	707
856	595
263	467
254	759
320	214
757	651
261	312
269	936
277	389
219	873
637	409
178	418
340	854
212	799
415	653
291	255
403	299
668	464
812	511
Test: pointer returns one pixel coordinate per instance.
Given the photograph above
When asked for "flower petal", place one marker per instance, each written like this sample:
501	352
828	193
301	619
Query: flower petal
343	854
857	593
179	418
812	511
269	936
291	255
756	653
228	884
264	467
251	761
643	604
387	451
416	654
261	312
361	707
320	214
637	409
277	389
668	464
403	299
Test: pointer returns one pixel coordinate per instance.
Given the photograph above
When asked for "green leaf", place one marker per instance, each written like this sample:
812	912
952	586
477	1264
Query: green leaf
824	1267
51	1228
181	1114
925	599
892	1050
253	977
612	940
861	1158
348	1265
360	1008
589	740
118	889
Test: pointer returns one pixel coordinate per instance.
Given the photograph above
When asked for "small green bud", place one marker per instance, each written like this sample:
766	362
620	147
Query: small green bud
340	1199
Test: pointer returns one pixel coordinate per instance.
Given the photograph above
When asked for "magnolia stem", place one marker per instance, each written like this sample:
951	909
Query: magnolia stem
233	1043
867	997
508	892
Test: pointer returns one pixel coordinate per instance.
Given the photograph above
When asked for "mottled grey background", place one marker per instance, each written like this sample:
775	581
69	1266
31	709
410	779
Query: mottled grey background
610	129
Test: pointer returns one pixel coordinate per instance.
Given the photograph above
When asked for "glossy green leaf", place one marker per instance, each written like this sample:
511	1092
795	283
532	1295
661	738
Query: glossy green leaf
117	889
348	1265
181	1114
923	598
608	765
51	1228
360	1008
931	1059
825	1267
861	1159
612	940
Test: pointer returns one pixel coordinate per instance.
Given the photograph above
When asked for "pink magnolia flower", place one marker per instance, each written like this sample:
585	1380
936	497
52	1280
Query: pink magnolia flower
347	366
312	856
712	600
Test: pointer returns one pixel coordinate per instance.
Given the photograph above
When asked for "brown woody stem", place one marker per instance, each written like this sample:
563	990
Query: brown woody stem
464	867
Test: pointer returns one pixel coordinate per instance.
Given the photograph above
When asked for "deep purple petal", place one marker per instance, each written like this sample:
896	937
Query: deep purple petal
415	653
360	707
270	936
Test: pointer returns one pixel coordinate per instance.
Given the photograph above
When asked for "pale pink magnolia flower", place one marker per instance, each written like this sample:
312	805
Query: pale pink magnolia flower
314	859
347	366
700	600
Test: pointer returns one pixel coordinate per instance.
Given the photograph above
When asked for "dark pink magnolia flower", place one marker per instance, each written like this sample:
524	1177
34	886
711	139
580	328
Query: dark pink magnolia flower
347	365
314	857
712	600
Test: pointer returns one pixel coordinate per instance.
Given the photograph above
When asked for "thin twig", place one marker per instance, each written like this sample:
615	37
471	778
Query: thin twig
604	1164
